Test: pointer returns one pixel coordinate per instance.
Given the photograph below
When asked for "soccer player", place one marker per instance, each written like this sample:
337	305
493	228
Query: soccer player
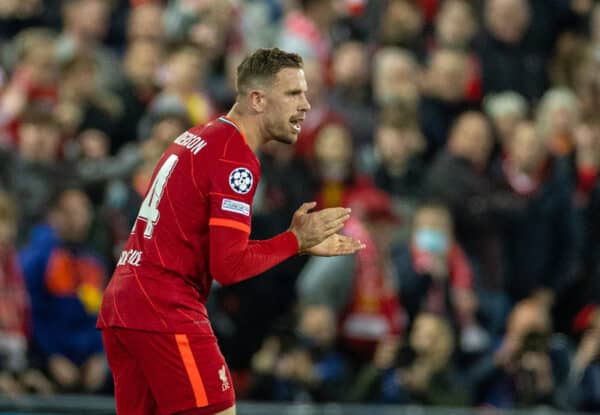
193	227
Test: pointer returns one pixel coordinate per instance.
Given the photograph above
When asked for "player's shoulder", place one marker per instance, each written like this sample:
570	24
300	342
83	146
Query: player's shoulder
218	147
215	133
232	143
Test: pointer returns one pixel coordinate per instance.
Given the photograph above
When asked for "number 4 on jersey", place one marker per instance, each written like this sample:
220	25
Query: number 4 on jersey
149	209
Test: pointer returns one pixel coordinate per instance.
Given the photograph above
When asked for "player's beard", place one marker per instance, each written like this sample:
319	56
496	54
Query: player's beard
283	134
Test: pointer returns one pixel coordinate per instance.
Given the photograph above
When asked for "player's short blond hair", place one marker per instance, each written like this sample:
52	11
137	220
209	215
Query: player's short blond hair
262	66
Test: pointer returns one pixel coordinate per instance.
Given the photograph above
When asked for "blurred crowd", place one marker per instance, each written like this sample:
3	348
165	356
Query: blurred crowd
465	135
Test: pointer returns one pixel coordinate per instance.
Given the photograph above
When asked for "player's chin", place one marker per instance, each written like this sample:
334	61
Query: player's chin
289	138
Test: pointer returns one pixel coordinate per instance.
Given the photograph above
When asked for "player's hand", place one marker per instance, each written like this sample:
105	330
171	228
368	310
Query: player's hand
313	228
336	245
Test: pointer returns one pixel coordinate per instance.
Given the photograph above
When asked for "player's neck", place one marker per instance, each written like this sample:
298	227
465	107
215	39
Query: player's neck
248	128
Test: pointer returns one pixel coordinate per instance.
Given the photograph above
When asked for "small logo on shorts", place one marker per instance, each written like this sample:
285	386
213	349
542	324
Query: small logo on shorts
224	379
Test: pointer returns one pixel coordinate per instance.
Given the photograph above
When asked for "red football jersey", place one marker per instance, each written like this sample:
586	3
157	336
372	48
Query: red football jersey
196	213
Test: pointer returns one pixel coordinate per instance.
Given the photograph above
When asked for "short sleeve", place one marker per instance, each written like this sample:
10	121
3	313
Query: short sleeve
232	187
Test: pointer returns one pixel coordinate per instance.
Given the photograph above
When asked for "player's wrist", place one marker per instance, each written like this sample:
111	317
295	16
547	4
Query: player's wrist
296	243
300	249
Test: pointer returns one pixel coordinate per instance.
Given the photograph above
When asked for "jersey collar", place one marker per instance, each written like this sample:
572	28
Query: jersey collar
229	121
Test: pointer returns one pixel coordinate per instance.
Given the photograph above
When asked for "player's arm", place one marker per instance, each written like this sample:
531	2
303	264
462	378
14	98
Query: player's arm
234	258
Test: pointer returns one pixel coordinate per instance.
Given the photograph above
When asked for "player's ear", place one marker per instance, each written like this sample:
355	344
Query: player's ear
257	100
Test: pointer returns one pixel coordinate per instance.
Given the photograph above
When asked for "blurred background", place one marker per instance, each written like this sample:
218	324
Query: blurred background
464	134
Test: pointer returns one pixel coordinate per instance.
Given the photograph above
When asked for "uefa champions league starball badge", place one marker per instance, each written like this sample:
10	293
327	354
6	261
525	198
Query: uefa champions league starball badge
241	180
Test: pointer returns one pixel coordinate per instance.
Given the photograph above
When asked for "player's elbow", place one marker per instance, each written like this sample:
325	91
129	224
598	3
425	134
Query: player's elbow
222	271
223	280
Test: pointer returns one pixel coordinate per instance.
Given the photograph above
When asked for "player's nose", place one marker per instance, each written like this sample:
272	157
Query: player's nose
304	105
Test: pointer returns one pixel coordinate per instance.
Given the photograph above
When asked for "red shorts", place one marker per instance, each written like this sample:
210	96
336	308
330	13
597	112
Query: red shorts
164	373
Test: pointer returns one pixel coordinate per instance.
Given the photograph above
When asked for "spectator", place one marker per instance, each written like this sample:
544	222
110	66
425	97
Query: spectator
556	118
362	290
90	148
455	28
430	377
85	24
582	170
582	386
420	371
15	375
34	81
505	110
573	56
95	168
585	169
455	25
397	166
65	281
183	78
333	166
14	303
181	16
310	370
458	178
396	77
33	172
463	164
146	22
220	86
528	367
444	99
205	24
284	188
585	80
435	276
508	60
540	238
141	64
402	25
306	30
366	385
350	94
82	104
261	23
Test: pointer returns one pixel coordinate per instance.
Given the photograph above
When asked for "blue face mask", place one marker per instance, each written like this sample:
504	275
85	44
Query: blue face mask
431	240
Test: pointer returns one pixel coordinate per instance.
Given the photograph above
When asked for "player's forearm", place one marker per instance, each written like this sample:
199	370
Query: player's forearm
233	258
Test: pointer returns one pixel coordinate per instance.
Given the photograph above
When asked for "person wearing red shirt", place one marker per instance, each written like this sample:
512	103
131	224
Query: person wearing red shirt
193	227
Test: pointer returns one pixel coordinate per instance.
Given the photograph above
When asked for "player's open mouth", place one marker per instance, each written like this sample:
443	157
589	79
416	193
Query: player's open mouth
296	124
